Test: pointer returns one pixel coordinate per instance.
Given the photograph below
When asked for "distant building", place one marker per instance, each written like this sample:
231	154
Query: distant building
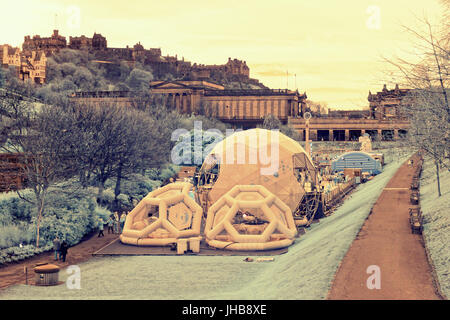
357	160
49	45
97	42
33	67
246	108
9	56
385	104
29	65
242	107
162	66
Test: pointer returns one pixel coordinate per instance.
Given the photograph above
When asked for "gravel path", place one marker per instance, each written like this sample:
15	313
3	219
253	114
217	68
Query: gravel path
386	241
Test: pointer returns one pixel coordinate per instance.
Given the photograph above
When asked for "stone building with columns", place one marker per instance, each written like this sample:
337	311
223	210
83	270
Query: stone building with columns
383	120
246	108
243	107
385	104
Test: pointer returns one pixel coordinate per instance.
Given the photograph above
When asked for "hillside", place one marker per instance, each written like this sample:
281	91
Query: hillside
437	221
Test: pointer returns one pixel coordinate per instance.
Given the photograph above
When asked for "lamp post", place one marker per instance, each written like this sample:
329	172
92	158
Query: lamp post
307	116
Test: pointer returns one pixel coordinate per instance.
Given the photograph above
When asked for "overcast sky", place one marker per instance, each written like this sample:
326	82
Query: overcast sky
333	47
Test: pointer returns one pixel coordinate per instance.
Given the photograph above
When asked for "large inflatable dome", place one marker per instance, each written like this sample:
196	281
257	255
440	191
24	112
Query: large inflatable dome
261	157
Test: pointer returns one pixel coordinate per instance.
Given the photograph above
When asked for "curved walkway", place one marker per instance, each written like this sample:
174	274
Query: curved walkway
386	241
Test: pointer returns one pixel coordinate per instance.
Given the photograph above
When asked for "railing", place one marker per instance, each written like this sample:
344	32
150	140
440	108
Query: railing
101	94
250	92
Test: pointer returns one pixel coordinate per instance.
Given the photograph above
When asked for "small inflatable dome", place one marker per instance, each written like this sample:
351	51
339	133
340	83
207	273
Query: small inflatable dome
357	160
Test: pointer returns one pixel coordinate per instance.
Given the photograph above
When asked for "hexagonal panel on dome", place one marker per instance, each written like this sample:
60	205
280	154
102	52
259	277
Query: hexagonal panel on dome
250	221
180	216
145	217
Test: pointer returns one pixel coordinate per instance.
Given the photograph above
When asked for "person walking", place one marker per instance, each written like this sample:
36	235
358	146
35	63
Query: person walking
123	217
64	249
100	228
110	223
57	248
116	222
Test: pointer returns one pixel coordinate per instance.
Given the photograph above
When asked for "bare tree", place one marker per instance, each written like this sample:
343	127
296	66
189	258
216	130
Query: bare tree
35	132
427	105
112	141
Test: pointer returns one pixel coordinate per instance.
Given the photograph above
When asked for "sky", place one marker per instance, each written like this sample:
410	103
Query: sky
332	50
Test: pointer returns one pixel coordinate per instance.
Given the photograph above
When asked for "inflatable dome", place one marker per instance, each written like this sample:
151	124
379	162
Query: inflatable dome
259	157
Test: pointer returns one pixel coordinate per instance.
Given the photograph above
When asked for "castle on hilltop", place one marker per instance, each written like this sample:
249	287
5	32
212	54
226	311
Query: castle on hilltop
232	70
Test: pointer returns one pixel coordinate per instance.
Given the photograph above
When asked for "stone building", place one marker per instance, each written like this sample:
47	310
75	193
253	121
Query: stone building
385	104
33	67
382	121
247	109
9	56
163	67
97	42
49	45
29	65
242	108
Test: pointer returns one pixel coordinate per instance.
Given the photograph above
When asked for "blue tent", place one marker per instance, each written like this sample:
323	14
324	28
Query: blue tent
356	160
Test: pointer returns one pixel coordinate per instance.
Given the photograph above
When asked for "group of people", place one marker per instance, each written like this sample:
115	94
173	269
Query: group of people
114	223
60	249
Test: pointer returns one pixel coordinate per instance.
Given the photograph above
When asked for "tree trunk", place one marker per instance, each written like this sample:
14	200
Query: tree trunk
437	178
39	218
117	189
101	187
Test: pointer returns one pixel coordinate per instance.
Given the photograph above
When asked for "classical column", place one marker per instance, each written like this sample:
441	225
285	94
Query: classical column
302	134
183	103
258	108
189	103
178	102
347	135
396	136
313	135
330	135
380	134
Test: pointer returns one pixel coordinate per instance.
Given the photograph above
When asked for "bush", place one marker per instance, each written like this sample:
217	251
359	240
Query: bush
133	188
13	208
69	214
168	172
14	234
15	254
70	217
